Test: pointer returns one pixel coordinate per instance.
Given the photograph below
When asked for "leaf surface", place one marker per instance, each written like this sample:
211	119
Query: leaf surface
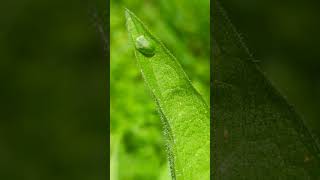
184	113
258	135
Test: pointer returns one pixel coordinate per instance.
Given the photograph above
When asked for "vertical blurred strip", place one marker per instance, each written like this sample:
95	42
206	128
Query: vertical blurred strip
54	93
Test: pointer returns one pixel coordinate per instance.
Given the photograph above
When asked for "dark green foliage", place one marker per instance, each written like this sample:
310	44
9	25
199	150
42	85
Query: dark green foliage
53	90
258	135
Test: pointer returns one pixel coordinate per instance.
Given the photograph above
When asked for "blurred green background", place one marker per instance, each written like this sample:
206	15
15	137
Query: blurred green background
137	143
53	109
284	37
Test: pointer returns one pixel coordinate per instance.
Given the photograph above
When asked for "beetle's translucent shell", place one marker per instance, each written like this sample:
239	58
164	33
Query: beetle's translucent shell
145	46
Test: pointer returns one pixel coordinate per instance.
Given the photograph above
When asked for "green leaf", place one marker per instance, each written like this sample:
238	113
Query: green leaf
183	111
258	135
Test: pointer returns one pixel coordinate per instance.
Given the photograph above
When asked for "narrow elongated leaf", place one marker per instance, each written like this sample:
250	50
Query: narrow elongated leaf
184	113
257	133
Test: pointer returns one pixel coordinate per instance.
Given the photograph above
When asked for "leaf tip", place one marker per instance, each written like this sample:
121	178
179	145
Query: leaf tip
127	13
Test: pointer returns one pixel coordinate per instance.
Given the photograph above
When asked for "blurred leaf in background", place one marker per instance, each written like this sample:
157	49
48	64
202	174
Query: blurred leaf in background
285	40
258	135
137	142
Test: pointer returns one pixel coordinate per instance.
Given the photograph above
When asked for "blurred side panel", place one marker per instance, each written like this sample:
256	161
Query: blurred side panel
54	93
